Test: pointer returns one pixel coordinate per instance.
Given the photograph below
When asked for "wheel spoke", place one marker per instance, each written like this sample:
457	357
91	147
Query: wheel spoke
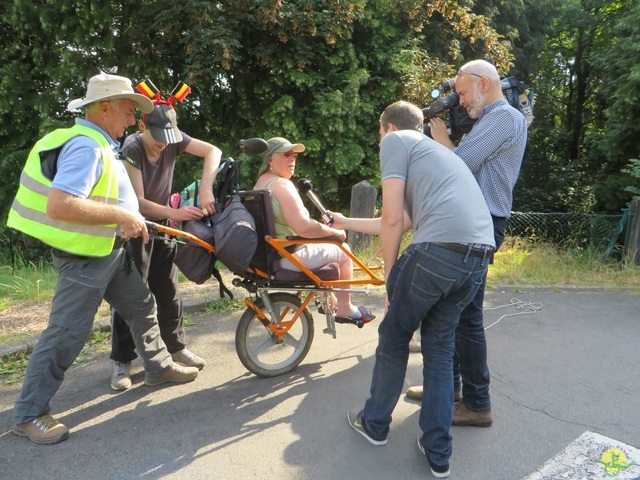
263	346
293	341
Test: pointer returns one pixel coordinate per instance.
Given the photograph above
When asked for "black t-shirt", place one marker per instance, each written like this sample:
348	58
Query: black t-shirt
157	178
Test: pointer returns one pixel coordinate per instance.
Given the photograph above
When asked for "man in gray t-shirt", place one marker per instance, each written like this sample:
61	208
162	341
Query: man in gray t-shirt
427	186
437	183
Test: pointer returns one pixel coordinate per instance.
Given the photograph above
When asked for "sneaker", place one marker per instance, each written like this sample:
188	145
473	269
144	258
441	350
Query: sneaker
121	377
187	358
436	471
415	393
175	374
463	417
44	430
353	417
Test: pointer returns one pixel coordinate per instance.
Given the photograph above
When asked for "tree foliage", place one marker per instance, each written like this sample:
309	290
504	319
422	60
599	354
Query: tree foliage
617	143
321	71
316	71
569	166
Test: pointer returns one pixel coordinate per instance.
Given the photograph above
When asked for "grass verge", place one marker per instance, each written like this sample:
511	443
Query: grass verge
13	366
520	262
34	282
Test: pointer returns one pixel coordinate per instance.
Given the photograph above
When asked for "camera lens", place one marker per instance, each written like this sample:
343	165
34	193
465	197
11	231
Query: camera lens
448	84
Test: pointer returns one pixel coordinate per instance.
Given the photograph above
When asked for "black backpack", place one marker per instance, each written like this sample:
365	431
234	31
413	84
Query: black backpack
235	236
231	230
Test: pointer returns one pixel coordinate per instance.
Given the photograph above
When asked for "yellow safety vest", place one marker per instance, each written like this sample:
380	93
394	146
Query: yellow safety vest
29	209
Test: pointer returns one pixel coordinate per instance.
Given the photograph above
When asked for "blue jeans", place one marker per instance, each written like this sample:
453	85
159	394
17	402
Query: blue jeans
428	288
470	361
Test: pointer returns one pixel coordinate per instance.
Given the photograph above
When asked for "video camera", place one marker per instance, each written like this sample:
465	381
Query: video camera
519	96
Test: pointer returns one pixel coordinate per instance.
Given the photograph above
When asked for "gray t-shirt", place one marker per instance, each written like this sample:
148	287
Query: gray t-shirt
157	178
442	197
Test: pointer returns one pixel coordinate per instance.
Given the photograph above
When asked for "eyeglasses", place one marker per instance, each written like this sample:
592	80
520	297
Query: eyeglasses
289	154
462	72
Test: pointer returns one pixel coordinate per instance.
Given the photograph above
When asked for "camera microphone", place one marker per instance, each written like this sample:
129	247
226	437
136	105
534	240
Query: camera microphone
304	186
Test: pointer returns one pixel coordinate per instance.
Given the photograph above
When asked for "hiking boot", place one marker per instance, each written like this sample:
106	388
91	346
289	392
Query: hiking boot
44	430
436	470
121	377
176	373
187	358
415	393
463	417
415	346
353	417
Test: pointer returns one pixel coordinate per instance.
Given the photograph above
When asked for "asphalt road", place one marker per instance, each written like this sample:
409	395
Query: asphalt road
570	367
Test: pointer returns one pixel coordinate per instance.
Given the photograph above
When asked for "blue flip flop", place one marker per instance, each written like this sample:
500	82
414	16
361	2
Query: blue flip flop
360	317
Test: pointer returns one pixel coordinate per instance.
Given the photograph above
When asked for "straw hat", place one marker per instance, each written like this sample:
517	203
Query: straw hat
110	87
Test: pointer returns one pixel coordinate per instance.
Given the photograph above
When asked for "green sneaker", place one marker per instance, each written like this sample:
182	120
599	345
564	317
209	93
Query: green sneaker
354	419
436	470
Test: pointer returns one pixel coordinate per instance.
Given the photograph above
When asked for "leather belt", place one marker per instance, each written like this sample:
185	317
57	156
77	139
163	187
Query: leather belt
466	249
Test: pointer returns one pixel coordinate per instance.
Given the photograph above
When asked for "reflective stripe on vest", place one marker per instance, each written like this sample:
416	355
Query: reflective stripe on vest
29	209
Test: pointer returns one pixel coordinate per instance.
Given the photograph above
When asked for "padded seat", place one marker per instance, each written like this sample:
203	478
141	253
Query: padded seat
266	258
330	271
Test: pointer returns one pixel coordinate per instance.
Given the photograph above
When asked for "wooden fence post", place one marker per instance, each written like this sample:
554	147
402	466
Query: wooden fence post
633	245
363	205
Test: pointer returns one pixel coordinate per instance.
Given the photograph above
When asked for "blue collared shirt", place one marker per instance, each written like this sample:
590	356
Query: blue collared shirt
493	150
80	166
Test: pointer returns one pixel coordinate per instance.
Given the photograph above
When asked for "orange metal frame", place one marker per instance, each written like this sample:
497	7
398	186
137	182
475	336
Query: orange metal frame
281	328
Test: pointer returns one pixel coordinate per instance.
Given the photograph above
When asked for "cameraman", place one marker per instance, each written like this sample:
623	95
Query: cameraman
493	151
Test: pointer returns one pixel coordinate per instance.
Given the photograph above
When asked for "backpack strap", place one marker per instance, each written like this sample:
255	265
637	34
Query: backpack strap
227	182
223	288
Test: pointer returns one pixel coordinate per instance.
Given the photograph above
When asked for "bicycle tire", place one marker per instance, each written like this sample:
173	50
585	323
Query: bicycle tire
260	353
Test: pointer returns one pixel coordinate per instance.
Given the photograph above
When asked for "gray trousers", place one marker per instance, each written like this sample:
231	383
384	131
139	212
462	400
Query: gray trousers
82	284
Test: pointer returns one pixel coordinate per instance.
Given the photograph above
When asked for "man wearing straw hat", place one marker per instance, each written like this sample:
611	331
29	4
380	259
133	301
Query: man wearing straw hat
76	197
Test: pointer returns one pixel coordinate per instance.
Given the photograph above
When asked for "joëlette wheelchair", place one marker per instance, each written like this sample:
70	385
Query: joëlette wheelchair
276	330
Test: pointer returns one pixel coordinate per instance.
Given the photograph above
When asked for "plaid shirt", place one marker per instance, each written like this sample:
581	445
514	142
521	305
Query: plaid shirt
493	150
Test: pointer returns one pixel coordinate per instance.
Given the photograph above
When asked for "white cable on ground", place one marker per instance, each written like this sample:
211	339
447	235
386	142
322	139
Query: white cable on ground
530	307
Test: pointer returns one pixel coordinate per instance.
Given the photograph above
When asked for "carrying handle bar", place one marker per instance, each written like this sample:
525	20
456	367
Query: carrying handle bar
156	227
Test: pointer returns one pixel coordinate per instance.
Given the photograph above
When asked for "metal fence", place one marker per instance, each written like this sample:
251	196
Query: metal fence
571	229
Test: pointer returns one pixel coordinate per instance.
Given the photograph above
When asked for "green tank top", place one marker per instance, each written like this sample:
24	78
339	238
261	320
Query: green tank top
282	229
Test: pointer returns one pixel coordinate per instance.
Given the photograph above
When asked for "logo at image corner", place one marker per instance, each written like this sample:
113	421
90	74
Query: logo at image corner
614	462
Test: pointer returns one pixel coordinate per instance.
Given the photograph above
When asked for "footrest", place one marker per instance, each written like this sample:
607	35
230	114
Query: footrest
357	322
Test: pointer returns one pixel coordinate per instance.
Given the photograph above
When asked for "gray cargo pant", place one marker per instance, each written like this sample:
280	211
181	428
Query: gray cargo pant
82	284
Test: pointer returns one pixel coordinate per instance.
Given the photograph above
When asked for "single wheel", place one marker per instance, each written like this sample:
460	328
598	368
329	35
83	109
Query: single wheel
268	355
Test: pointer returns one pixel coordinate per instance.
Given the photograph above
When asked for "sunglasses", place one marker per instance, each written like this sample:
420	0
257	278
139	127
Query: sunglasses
463	72
288	154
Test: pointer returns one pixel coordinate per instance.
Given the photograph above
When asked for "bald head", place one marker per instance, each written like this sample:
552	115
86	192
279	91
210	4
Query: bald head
478	85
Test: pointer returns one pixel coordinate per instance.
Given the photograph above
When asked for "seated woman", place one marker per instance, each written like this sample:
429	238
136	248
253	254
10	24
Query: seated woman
293	219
